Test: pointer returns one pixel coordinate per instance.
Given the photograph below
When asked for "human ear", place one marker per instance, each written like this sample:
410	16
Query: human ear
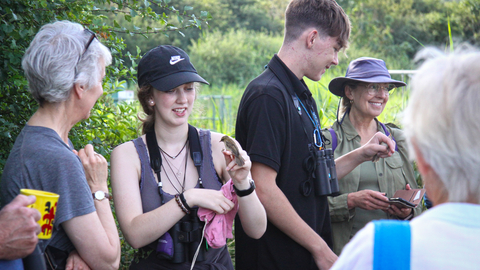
348	92
311	36
78	90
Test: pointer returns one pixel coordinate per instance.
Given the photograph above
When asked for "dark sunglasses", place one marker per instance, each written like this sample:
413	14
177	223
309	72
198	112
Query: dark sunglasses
90	40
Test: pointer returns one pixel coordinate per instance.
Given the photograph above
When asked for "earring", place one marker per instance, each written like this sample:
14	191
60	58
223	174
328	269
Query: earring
351	101
151	102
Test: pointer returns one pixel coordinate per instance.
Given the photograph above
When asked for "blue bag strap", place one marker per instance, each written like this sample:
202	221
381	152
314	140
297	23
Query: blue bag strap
388	133
391	248
334	139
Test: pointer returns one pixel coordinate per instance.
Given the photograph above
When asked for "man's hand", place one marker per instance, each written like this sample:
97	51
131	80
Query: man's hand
379	146
18	228
375	147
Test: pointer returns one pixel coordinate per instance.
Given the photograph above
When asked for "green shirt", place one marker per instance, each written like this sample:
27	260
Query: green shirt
392	174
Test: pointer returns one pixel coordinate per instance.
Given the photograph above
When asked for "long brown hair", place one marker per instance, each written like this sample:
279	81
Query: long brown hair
145	95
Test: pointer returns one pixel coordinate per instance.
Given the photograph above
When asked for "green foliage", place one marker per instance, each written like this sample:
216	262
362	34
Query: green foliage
22	19
108	125
224	15
398	28
233	57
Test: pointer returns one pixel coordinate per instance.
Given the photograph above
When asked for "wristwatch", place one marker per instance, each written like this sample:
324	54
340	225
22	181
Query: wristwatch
243	193
100	195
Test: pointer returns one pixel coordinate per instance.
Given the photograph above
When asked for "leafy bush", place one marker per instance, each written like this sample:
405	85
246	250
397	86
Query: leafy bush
234	57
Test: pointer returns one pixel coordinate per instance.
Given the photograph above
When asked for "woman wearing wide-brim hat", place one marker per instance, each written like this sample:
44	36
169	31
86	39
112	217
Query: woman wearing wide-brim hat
364	192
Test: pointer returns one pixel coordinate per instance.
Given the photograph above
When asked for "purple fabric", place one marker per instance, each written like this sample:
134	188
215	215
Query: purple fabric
334	138
218	227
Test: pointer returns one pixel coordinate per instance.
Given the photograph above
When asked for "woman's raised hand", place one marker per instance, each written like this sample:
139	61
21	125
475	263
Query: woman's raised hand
95	166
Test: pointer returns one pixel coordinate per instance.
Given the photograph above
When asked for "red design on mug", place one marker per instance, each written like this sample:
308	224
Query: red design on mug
48	226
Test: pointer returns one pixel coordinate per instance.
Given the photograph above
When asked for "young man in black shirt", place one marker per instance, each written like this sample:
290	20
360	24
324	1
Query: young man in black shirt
277	124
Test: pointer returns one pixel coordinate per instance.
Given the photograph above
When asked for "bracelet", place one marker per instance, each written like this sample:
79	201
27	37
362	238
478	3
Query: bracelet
184	202
180	204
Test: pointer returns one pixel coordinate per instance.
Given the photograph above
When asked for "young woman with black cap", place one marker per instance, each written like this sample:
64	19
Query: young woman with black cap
160	179
364	192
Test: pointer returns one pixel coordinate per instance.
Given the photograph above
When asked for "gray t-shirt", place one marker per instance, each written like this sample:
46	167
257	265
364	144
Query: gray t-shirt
41	160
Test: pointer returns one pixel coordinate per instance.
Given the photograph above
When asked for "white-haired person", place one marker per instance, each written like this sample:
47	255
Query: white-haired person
442	127
65	66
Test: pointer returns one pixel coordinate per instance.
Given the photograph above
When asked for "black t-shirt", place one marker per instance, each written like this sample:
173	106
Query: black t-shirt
273	132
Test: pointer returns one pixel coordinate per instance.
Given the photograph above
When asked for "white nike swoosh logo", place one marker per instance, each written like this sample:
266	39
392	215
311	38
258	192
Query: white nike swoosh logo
173	62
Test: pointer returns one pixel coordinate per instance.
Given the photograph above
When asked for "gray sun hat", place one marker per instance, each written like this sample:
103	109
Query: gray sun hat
364	69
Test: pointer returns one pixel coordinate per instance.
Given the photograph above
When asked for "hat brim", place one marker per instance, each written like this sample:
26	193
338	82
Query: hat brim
337	85
172	81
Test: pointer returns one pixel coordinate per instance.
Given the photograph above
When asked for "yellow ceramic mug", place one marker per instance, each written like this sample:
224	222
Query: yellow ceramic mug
46	204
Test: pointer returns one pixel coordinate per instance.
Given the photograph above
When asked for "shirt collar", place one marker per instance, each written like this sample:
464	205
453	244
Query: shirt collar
350	131
298	86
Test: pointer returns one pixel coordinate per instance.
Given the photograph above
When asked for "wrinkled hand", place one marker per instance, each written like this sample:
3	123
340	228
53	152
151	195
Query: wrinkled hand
75	262
239	174
368	200
208	199
400	212
18	228
379	146
96	168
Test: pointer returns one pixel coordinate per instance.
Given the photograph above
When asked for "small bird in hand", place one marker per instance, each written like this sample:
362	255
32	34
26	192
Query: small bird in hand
231	146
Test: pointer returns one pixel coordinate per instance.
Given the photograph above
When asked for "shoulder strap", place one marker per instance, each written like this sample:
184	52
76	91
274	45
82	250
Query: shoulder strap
334	139
392	245
155	159
388	133
195	150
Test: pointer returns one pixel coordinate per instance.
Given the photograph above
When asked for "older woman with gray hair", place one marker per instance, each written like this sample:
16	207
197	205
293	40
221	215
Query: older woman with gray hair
65	66
441	124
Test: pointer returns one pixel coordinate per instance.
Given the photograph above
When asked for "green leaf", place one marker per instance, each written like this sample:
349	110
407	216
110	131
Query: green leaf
133	13
187	8
128	18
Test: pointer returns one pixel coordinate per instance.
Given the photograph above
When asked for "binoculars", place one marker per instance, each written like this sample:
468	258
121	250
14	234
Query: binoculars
181	242
325	176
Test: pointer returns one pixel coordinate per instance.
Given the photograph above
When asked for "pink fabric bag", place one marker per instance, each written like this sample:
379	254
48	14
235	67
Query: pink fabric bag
218	227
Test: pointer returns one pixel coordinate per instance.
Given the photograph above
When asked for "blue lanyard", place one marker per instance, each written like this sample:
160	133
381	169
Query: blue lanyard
317	139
